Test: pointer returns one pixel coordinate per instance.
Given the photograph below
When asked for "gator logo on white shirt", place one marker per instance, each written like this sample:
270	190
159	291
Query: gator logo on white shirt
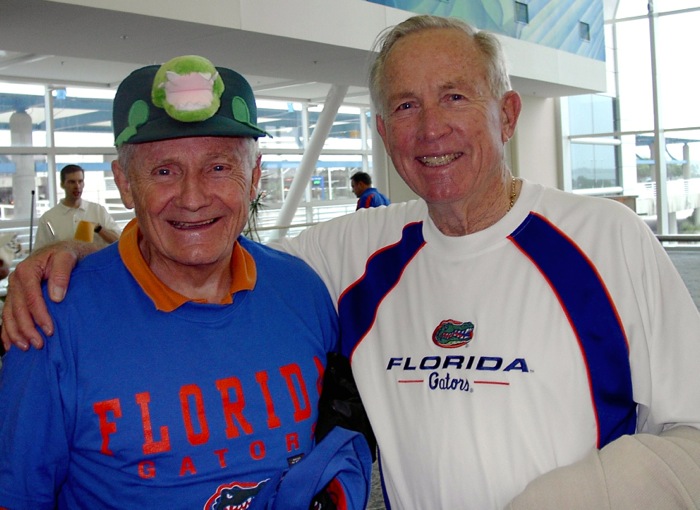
451	334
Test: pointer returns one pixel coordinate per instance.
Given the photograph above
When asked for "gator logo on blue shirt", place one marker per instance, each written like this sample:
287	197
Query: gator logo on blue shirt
451	334
234	496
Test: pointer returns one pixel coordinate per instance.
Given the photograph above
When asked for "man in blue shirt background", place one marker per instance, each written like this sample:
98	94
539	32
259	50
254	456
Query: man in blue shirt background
368	196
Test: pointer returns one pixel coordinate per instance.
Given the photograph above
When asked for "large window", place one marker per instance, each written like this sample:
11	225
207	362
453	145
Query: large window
594	152
641	138
43	129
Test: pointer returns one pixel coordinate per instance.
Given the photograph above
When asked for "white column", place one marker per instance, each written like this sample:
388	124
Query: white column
24	179
663	219
51	157
308	161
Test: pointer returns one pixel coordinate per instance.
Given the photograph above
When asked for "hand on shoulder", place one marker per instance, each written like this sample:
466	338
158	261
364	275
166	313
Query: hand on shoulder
25	308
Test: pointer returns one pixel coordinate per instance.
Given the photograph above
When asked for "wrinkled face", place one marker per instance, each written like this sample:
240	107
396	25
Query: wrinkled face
191	197
73	185
441	126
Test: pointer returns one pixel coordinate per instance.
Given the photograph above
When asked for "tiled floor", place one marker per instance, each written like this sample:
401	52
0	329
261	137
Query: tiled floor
376	501
688	264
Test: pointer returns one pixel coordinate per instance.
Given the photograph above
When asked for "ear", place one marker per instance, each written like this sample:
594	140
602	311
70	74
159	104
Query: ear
255	178
123	184
381	128
511	105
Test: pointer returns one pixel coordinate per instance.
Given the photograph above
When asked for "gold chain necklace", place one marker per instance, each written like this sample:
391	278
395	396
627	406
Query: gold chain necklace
512	193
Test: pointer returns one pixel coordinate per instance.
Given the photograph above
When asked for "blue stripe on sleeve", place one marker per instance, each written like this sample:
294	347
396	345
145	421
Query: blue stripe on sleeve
357	307
594	318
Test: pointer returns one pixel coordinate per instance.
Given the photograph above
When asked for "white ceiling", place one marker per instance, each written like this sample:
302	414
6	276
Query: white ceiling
62	44
43	41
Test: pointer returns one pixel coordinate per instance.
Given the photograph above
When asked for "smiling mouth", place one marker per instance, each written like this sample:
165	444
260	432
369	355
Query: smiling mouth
441	160
183	225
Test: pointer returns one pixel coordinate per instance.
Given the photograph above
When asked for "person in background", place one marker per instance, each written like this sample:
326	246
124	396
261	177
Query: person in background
515	346
361	184
187	365
74	217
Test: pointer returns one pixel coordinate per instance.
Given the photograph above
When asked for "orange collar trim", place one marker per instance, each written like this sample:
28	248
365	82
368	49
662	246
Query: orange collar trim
166	299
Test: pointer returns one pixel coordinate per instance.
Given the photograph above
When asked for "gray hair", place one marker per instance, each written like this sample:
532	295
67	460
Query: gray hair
125	153
486	42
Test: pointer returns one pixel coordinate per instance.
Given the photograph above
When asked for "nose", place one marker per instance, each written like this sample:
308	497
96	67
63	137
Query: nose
433	122
193	192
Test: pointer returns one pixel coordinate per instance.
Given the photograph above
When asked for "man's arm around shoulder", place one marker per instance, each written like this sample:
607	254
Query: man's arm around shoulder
25	309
